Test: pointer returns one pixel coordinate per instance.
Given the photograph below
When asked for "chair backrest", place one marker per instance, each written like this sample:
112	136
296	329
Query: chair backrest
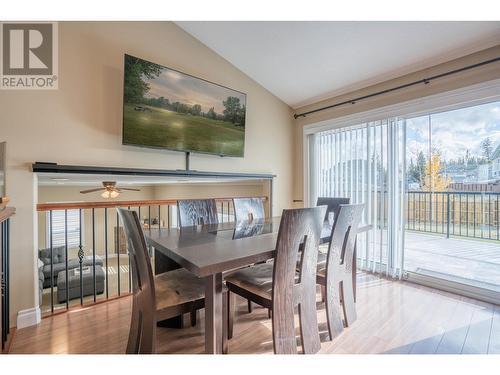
142	335
333	205
343	237
248	209
197	212
299	228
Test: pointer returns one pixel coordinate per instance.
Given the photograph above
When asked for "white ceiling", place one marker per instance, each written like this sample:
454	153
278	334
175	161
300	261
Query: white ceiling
303	62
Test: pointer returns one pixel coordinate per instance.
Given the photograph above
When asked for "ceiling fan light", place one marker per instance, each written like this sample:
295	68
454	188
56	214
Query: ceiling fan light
114	194
106	194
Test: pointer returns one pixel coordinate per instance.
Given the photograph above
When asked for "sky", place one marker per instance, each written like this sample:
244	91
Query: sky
183	88
455	131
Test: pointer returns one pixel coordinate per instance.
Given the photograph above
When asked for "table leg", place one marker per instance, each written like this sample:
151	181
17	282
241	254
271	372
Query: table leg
213	314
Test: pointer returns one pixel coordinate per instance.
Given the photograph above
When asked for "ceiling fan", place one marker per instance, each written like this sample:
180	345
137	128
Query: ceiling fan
109	190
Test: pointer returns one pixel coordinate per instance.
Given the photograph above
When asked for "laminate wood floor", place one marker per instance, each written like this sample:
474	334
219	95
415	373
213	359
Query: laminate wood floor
393	317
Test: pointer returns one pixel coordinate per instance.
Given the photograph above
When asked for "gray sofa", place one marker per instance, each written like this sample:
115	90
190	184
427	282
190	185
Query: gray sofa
59	263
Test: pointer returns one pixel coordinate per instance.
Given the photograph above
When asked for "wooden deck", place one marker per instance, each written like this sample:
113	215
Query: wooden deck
393	317
469	261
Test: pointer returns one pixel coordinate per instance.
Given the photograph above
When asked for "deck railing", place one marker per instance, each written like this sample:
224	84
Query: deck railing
466	214
83	251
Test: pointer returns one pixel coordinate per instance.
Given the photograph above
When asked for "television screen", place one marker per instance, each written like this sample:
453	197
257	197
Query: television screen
164	108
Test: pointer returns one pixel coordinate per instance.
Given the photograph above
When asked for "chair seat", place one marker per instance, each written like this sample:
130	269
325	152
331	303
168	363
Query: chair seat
257	279
178	287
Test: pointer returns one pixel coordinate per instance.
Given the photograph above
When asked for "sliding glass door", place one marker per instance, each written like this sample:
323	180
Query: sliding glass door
453	180
431	189
363	163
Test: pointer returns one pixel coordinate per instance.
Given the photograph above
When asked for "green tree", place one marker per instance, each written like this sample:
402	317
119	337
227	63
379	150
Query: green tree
416	170
196	110
211	113
240	119
487	148
232	109
134	86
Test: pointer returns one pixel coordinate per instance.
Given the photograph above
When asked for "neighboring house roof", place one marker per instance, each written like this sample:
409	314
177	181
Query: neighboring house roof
496	153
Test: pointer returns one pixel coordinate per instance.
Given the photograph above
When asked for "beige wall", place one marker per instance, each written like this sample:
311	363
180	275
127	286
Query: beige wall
464	79
80	123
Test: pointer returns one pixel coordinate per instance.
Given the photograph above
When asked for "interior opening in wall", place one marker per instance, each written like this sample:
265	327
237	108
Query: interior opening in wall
82	249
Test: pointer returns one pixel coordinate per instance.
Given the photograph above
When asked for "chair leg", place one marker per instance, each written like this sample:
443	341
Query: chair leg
249	306
323	293
230	314
332	307
193	315
269	313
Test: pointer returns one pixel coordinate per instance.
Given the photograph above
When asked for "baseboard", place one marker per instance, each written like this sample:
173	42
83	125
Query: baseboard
28	317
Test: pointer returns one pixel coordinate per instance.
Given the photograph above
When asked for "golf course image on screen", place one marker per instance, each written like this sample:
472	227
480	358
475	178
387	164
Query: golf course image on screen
164	108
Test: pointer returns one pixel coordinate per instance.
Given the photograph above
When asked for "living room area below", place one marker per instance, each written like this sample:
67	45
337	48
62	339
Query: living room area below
83	236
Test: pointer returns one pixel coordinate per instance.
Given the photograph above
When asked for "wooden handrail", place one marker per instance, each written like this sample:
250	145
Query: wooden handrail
111	204
6	213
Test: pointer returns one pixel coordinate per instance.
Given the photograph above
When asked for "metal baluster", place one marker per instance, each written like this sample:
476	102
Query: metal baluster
425	212
66	254
118	251
149	218
460	214
467	214
168	217
448	216
6	272
489	216
129	267
93	254
51	264
80	255
159	217
498	223
474	215
106	248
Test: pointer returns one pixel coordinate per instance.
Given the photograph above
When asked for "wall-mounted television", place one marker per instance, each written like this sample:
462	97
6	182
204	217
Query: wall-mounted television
165	108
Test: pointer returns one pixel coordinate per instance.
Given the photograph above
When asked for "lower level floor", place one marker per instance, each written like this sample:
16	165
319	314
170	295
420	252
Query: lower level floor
393	317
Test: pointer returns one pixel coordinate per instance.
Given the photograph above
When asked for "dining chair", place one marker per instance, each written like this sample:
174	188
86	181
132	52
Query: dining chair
156	298
335	270
278	287
197	212
333	205
248	209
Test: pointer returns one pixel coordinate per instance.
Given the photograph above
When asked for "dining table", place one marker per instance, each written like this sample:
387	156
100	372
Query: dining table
210	250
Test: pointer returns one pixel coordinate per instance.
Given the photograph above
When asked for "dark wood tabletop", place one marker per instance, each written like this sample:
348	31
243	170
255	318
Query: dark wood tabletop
214	248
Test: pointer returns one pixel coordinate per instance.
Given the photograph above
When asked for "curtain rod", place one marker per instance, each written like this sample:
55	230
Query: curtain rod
424	81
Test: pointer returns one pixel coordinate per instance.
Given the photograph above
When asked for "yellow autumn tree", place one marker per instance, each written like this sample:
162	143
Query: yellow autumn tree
433	180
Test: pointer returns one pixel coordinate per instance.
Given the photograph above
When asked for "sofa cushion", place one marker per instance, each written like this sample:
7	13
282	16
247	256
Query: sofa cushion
58	255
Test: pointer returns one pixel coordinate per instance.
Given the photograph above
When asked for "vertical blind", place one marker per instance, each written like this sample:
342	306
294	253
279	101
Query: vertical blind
366	164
